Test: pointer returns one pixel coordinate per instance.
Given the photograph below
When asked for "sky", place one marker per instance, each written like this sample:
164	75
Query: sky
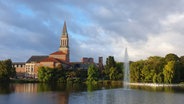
95	27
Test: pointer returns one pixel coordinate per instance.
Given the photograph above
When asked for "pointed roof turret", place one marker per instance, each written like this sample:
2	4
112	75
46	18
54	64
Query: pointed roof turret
64	29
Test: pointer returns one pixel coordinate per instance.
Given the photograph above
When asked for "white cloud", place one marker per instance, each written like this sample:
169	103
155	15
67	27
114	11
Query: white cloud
173	19
104	12
169	39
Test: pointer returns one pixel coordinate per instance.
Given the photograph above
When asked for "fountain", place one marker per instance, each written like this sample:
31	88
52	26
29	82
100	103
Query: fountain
126	80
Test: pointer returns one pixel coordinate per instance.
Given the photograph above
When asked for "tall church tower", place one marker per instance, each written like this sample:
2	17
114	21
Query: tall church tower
64	42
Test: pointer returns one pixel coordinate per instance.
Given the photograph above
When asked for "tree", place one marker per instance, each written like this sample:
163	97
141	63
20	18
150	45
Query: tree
158	78
46	74
156	65
110	62
171	57
182	68
147	72
120	67
71	74
135	71
81	73
93	73
6	70
10	69
150	70
113	73
171	72
182	60
158	69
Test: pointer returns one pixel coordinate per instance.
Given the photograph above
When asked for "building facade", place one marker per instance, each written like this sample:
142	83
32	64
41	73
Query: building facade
87	60
19	68
32	65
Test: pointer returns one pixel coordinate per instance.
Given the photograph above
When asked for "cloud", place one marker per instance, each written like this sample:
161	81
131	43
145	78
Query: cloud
96	28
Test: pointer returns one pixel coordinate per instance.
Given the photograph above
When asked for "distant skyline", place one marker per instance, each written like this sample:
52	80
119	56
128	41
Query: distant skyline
96	28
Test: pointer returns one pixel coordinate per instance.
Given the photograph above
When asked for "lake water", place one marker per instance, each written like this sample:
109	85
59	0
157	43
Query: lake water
88	94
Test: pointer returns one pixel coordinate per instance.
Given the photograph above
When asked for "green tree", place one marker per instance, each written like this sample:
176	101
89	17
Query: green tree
93	73
171	57
147	72
135	71
105	74
110	62
182	68
6	70
158	78
113	74
71	74
152	70
120	67
158	69
46	74
156	65
171	72
81	73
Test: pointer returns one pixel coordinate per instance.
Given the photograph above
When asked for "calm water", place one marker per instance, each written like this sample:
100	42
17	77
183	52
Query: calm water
88	94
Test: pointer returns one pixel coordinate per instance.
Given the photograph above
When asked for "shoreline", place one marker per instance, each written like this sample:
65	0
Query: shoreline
105	82
155	85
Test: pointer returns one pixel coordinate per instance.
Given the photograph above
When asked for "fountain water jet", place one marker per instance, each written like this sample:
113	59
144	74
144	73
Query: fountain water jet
126	80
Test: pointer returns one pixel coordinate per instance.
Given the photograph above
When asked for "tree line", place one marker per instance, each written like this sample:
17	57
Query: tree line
156	69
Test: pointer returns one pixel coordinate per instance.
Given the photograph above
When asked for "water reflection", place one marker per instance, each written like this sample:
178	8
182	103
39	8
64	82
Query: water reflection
40	87
76	87
41	93
34	93
122	96
6	88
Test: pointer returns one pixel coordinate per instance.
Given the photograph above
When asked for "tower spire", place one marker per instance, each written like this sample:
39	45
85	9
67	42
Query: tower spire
64	29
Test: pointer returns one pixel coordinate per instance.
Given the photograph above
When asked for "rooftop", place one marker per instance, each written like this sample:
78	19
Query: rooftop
58	53
18	63
36	59
51	59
